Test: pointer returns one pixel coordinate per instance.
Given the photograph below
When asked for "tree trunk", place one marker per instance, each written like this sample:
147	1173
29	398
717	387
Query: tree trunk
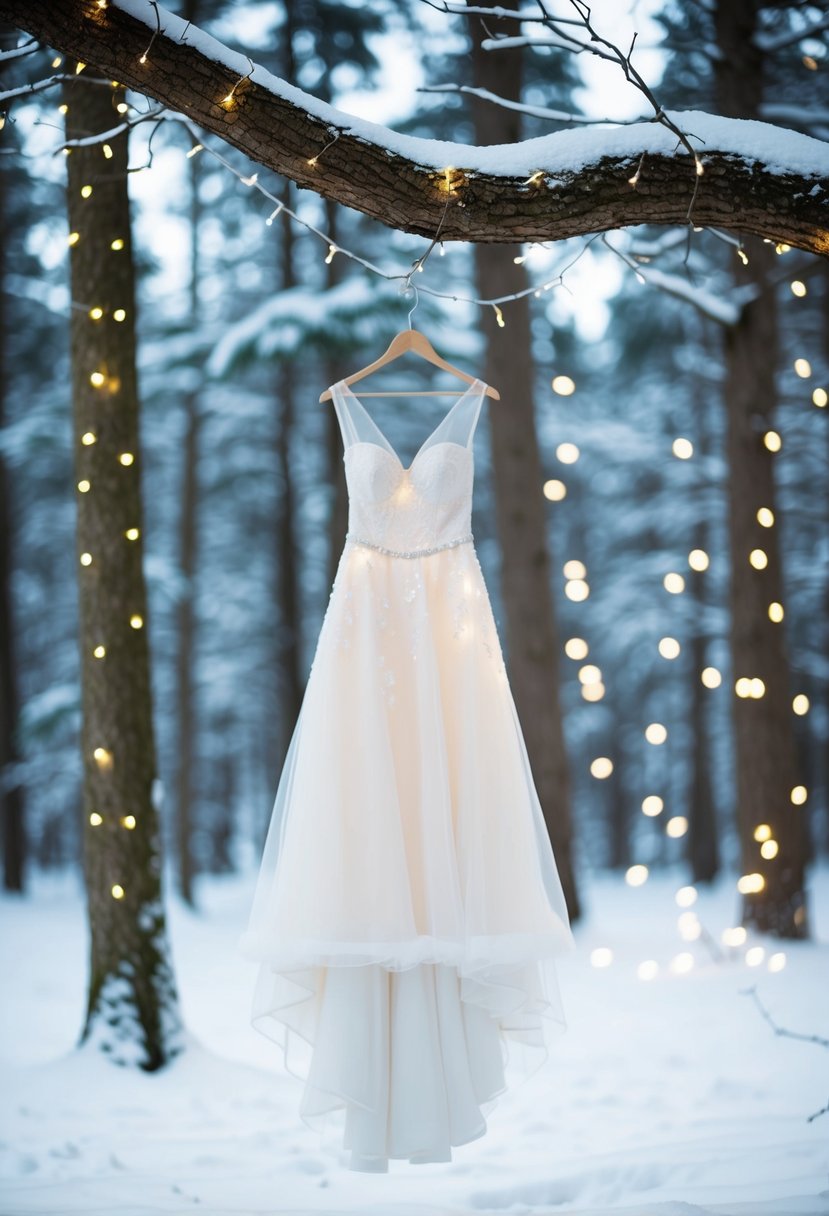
763	730
11	792
703	829
132	1011
532	637
404	186
703	834
188	541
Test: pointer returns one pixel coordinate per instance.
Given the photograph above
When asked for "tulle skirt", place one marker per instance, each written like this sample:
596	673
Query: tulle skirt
408	907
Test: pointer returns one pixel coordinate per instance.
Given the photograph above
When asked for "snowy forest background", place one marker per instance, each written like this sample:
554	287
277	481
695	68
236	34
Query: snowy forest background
671	1087
242	324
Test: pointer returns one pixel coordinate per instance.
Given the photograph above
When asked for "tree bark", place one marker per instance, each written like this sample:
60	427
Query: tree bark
186	619
532	636
736	191
763	728
11	791
132	1009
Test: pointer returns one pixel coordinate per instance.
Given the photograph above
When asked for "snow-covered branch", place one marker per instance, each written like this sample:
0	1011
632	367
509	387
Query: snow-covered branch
757	178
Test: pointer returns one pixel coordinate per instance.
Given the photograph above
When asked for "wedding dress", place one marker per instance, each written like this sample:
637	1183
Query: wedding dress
408	906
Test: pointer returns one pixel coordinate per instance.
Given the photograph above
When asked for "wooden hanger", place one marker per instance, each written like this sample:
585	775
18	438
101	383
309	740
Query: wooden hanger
416	342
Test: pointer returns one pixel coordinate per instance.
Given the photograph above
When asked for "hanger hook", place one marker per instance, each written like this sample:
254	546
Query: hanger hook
416	301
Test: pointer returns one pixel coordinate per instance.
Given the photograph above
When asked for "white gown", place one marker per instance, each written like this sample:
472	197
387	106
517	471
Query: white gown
408	906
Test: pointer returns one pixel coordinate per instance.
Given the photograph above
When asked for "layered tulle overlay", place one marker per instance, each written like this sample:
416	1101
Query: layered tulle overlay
408	906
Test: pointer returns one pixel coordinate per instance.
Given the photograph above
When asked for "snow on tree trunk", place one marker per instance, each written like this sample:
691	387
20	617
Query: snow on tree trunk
532	635
132	1011
765	755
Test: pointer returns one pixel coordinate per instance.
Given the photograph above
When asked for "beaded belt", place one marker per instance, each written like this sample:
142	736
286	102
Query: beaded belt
449	544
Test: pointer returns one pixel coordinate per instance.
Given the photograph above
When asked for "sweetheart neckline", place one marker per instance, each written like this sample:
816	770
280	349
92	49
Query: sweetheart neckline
441	443
343	387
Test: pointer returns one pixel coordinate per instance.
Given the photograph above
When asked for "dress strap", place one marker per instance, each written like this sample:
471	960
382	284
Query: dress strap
460	422
356	424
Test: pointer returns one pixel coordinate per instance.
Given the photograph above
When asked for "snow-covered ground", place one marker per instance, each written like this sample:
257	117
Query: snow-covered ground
666	1097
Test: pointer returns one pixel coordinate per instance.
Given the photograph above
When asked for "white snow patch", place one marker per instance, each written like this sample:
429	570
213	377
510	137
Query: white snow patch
670	1097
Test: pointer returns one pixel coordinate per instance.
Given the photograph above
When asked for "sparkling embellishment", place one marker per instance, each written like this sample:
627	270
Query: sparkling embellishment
449	544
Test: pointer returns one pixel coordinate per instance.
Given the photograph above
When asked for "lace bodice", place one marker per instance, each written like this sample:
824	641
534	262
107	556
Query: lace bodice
422	508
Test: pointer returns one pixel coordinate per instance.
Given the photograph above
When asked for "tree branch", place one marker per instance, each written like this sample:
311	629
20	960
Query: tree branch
758	179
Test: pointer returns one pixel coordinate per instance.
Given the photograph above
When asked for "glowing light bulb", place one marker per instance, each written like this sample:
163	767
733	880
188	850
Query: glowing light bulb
777	961
742	687
88	437
686	896
119	315
86	191
669	648
84	486
683	449
769	849
97	379
576	648
676	826
577	590
758	558
733	937
772	441
128	821
798	288
682	963
674	583
800	704
776	612
803	368
122	107
136	621
99	652
820	398
118	891
601	768
96	313
554	490
117	244
102	758
799	795
126	459
132	534
698	560
499	316
73	238
648	969
711	677
652	806
567	453
755	956
575	569
602	956
750	884
107	151
656	733
593	692
765	517
635	876
95	819
564	386
86	559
